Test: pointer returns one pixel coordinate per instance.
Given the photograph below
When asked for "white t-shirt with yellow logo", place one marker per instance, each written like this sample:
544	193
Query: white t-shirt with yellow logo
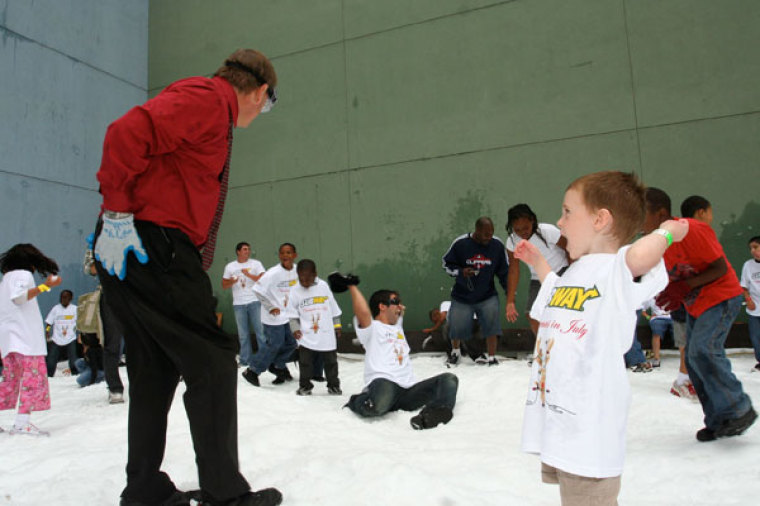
273	289
63	321
314	307
577	406
386	353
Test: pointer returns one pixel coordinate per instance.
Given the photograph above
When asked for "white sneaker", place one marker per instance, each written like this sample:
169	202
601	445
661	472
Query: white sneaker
29	430
685	390
481	359
115	397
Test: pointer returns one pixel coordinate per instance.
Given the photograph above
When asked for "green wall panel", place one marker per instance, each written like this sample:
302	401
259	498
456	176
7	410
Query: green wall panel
507	75
694	58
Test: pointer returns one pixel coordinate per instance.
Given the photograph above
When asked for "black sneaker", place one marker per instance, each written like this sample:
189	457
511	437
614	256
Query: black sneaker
481	359
431	417
756	368
251	377
493	361
334	391
304	391
643	367
264	497
737	426
283	375
178	498
453	360
706	434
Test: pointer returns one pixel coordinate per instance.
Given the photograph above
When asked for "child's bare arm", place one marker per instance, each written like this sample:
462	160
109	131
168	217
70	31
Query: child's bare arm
529	254
644	254
750	303
361	308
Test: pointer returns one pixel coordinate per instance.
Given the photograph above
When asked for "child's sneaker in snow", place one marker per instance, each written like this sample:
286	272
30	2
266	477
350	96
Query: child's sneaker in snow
686	390
481	359
655	362
304	391
334	391
493	361
643	367
29	430
453	360
115	398
756	368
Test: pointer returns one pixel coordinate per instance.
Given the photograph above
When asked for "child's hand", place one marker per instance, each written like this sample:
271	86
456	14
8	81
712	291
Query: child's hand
297	334
677	228
527	252
274	311
751	305
338	333
53	280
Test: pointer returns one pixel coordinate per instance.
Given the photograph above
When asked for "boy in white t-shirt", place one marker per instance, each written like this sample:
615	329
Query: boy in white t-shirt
751	285
273	290
577	405
315	323
241	275
389	382
62	333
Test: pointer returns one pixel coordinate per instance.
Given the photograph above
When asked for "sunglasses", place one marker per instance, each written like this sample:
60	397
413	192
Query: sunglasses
271	100
394	302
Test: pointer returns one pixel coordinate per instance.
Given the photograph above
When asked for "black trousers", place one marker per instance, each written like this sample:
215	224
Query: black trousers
166	309
306	367
112	336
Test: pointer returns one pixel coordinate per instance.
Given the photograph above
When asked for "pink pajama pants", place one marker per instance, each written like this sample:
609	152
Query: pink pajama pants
26	375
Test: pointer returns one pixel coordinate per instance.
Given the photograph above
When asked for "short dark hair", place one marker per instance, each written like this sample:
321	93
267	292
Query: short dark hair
754	239
28	258
248	69
691	205
67	291
306	265
293	246
657	199
483	221
380	297
240	246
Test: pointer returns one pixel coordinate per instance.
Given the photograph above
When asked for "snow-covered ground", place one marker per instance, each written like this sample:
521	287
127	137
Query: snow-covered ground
319	454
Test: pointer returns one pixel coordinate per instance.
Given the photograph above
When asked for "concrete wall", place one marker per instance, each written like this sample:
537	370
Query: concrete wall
67	69
399	123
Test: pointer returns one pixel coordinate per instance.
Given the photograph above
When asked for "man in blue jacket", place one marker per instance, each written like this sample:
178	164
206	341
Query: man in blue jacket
474	260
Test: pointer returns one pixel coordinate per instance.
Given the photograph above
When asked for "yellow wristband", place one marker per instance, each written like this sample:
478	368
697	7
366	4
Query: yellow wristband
337	326
42	287
666	234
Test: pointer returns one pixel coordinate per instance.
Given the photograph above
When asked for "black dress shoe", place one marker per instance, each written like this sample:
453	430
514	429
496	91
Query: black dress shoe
178	498
264	497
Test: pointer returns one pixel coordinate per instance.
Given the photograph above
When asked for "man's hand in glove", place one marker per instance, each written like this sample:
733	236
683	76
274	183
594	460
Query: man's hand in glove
117	238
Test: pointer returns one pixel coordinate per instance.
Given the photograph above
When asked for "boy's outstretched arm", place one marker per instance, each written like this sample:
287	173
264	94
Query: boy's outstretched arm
530	254
361	308
644	254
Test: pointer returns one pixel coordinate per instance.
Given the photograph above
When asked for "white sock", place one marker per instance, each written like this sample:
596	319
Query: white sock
682	378
491	357
455	352
21	420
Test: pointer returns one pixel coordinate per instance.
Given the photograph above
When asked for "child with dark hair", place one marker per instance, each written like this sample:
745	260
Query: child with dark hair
698	208
315	323
90	367
22	334
62	333
522	224
751	285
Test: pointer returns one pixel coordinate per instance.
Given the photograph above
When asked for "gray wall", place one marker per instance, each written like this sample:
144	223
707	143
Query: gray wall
67	69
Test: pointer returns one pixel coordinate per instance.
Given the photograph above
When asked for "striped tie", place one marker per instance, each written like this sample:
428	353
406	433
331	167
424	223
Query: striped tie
224	178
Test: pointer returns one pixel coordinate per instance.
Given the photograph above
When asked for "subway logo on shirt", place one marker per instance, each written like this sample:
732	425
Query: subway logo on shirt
572	297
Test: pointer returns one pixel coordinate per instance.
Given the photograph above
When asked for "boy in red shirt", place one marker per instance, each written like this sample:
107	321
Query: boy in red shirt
702	279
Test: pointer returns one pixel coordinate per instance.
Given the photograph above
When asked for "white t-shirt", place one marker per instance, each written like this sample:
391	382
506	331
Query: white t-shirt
751	281
242	290
63	322
21	327
314	307
655	311
386	353
273	289
578	397
553	254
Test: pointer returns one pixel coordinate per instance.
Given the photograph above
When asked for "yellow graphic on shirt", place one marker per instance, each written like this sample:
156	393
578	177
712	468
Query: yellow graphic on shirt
572	297
315	323
292	282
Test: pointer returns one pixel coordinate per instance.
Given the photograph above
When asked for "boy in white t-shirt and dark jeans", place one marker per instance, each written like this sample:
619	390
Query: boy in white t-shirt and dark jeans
389	382
751	285
315	323
62	333
577	405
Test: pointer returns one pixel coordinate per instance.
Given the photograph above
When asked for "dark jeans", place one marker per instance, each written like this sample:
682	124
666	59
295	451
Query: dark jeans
112	339
54	350
166	308
382	396
306	361
276	348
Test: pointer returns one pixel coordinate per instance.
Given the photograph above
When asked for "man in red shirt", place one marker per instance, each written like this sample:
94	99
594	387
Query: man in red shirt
702	279
163	178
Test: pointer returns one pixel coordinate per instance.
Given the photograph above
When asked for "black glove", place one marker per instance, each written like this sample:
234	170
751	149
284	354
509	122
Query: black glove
339	283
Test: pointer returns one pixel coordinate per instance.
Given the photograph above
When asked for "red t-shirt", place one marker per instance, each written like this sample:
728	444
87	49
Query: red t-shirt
162	160
691	256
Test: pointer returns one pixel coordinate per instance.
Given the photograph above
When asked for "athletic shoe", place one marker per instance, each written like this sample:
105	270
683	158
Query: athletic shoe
655	362
529	358
643	367
481	359
706	434
431	417
304	391
686	390
251	377
756	368
178	498
737	426
452	361
115	398
29	430
426	341
265	497
283	375
492	361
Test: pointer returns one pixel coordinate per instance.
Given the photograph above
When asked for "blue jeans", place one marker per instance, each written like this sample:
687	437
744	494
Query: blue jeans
276	348
382	395
85	373
52	358
753	323
635	355
245	316
460	318
719	392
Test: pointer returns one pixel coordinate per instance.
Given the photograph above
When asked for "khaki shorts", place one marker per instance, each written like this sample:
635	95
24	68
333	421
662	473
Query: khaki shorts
679	334
577	490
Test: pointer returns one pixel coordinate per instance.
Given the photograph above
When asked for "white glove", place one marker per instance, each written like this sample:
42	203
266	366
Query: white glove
117	238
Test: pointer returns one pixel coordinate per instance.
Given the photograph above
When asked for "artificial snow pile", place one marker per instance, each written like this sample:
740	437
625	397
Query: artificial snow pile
319	454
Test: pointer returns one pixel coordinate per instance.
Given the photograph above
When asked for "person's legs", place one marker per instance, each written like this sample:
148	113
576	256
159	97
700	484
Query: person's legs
35	391
305	367
635	355
377	399
577	490
244	335
319	367
437	392
330	359
488	318
254	315
268	349
11	384
71	354
460	326
52	358
753	324
112	343
85	373
167	309
286	349
719	392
